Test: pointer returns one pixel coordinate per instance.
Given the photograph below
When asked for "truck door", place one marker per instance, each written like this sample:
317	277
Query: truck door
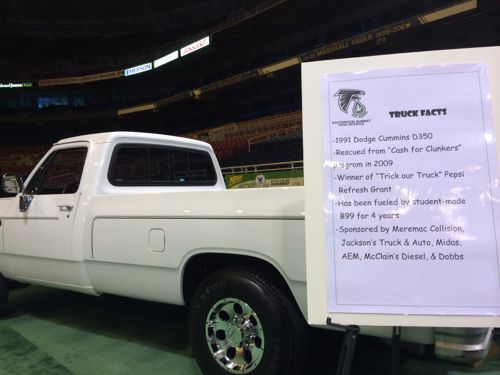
38	238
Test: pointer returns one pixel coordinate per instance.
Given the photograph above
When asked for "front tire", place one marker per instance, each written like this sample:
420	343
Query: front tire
240	323
4	294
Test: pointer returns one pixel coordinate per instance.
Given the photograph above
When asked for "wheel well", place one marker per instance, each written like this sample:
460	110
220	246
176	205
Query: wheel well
201	266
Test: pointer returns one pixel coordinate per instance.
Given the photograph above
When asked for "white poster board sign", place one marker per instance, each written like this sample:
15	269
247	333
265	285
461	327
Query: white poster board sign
402	189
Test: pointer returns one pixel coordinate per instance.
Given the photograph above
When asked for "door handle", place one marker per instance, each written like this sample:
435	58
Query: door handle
65	207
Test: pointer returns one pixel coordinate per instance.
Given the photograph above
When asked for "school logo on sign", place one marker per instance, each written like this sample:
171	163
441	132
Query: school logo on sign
349	98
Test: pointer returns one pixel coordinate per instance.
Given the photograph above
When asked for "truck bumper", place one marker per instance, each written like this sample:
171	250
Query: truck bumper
462	344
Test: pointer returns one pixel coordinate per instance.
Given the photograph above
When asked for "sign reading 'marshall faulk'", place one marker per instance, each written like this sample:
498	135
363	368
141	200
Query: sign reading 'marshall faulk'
411	191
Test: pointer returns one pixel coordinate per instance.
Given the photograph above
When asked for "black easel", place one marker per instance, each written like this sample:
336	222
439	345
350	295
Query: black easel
348	345
396	350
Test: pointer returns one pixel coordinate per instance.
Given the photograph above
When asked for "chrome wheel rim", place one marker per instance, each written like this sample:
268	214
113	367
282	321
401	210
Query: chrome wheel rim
235	336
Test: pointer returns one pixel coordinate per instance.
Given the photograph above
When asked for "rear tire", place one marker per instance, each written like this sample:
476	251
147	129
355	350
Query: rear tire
240	323
4	293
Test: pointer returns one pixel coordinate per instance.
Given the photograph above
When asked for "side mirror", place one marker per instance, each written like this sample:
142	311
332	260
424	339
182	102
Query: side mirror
12	183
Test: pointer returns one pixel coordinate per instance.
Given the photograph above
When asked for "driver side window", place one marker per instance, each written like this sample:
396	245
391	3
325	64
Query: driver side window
60	173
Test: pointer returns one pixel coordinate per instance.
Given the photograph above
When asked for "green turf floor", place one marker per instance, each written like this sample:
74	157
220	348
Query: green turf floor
50	331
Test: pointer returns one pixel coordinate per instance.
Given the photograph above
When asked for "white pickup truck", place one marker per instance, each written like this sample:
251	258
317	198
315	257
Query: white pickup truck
147	216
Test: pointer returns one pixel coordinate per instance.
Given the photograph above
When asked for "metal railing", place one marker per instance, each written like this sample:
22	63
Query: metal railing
268	167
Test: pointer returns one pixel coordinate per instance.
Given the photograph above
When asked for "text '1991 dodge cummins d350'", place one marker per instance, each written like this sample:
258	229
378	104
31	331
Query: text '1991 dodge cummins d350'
147	216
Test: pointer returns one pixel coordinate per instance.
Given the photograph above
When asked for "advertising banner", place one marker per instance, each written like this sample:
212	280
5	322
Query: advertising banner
265	179
80	79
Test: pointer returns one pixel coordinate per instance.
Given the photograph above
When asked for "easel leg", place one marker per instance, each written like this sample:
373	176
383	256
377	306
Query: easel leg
396	350
348	345
347	352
